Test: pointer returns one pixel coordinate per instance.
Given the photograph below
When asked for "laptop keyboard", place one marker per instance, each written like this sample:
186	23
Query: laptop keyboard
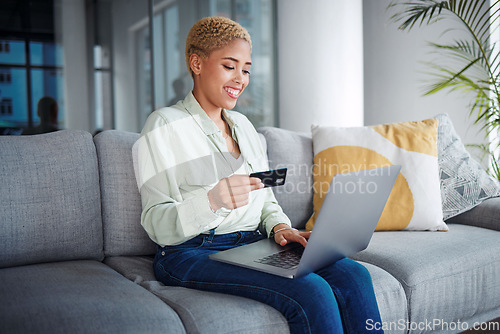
287	259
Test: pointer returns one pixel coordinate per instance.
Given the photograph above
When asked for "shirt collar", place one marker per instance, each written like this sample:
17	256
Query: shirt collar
207	125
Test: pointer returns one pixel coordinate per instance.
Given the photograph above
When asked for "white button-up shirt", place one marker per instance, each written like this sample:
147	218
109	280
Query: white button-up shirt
180	155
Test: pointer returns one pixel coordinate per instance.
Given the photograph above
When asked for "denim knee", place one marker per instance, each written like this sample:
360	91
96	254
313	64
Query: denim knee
318	304
352	284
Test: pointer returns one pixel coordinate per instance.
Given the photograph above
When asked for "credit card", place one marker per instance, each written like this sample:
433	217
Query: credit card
272	178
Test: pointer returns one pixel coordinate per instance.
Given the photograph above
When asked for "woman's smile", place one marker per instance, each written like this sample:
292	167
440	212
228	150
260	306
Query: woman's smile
233	93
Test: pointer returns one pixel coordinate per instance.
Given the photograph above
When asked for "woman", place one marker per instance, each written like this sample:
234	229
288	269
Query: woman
194	161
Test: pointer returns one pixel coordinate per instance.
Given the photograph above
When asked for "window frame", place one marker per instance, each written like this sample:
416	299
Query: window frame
27	38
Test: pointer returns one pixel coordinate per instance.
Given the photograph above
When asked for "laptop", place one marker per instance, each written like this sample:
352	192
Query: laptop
344	226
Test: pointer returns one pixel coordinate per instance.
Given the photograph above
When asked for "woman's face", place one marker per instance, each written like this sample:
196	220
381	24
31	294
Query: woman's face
222	76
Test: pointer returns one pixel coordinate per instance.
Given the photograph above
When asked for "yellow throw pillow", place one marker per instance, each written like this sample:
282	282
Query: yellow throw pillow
415	201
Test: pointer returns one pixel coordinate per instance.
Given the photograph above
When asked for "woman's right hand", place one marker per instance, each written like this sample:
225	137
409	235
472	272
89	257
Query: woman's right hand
284	234
232	192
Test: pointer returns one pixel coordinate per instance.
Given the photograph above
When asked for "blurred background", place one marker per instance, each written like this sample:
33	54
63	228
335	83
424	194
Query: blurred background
107	64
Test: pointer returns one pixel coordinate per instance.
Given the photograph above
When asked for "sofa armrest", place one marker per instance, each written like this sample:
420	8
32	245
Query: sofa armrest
486	215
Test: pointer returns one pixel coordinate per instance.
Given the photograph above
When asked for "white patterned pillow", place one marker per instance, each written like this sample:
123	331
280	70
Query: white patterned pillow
464	183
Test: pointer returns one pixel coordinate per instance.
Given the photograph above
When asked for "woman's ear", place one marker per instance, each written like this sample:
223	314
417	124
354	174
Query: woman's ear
195	63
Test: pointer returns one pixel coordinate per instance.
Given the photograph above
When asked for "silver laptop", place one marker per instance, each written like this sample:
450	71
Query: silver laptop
344	226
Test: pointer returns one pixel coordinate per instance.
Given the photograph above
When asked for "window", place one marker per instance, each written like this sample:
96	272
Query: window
30	62
29	71
4	46
5	76
6	106
134	64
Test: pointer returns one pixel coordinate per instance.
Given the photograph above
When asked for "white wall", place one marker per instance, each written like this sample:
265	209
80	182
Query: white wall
323	78
394	77
320	63
71	27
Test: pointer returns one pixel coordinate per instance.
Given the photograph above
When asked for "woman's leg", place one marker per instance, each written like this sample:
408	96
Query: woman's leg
352	284
308	302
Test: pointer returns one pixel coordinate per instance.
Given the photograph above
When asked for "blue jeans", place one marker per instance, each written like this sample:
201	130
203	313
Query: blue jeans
335	299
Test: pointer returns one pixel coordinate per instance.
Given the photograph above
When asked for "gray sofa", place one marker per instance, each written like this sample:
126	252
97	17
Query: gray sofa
74	258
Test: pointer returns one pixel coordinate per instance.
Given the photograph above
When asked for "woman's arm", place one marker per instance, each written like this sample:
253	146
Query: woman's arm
168	218
173	177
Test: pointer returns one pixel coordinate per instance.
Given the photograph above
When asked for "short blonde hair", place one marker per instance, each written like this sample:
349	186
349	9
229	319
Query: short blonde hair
212	33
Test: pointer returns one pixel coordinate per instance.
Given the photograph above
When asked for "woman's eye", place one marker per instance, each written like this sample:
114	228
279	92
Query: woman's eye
246	72
228	67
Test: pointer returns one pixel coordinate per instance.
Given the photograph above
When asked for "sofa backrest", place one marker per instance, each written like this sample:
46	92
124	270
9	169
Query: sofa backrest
292	150
49	199
121	201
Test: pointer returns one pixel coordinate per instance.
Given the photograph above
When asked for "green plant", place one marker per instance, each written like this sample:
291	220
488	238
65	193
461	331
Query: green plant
469	64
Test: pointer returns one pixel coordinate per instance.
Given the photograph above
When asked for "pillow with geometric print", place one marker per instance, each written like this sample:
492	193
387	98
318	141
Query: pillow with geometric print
415	201
464	182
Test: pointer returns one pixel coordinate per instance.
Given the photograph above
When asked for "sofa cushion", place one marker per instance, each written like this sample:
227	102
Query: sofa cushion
415	200
79	297
294	151
201	311
483	215
457	284
49	198
121	201
241	314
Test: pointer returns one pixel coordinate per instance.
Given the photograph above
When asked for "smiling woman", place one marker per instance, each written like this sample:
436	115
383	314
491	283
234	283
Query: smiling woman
220	67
